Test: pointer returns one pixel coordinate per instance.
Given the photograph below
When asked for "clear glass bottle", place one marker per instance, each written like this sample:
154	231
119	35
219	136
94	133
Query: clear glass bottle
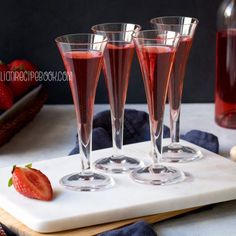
225	89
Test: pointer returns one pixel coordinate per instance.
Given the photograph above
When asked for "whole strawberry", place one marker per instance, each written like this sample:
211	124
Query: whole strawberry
6	96
22	76
31	183
21	64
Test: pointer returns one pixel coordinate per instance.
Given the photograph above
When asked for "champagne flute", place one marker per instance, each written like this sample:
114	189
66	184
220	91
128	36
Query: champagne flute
156	53
117	61
82	56
185	26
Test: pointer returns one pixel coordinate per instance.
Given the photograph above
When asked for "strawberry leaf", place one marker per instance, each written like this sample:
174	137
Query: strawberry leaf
10	182
29	165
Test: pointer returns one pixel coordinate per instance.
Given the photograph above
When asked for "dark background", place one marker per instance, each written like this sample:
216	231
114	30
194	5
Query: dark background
28	29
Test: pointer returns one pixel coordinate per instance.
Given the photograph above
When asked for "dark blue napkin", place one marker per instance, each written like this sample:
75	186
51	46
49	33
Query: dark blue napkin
136	129
202	139
140	228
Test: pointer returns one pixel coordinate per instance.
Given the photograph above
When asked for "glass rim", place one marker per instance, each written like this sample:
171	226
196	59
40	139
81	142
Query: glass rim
57	39
135	36
116	23
196	21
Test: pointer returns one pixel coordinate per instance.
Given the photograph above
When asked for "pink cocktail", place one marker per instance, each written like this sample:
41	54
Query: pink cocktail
82	55
156	53
185	26
118	57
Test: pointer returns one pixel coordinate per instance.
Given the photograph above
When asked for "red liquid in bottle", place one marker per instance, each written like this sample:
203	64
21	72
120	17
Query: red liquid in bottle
83	69
117	64
156	64
225	91
177	76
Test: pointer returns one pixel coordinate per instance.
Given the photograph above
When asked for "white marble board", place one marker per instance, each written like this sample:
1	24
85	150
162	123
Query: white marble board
213	181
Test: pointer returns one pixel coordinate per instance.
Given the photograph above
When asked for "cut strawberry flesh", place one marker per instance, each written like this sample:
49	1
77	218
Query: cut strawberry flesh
32	183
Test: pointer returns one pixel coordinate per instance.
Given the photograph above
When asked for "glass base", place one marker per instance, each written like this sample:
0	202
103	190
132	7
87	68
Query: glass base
179	153
157	175
87	181
121	164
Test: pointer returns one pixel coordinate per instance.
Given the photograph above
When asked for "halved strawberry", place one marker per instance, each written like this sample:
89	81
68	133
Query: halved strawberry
31	183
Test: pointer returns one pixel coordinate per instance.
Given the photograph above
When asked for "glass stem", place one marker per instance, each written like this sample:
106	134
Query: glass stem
174	125
156	141
117	135
85	152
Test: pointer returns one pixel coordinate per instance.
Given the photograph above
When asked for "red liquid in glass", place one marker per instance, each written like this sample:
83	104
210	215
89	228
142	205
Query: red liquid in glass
117	64
156	63
177	76
225	91
83	69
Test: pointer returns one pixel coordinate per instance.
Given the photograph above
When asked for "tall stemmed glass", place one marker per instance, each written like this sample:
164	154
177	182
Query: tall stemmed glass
82	56
185	26
156	51
118	57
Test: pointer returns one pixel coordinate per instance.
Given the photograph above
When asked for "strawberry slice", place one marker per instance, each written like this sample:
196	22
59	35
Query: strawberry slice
31	183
